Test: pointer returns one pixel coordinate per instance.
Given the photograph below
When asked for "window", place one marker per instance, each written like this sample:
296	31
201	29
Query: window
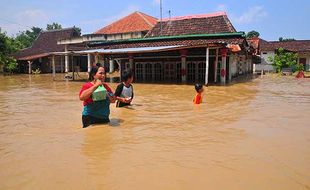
302	61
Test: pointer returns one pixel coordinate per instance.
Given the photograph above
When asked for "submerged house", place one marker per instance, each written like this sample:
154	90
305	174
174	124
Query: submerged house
45	50
196	48
268	49
135	25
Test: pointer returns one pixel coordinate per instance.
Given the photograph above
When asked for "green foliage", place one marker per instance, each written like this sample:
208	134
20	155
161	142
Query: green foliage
26	38
299	67
283	59
77	30
252	34
53	26
281	39
8	46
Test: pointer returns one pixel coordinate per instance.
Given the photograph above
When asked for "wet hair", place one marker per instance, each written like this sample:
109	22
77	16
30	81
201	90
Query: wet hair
127	74
93	72
198	87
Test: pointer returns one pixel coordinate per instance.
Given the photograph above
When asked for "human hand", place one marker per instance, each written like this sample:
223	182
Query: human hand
97	83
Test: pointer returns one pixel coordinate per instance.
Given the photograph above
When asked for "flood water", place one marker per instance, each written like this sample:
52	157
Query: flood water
249	135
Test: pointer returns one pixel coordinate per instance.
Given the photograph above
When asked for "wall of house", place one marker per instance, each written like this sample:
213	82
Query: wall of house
265	64
124	36
307	57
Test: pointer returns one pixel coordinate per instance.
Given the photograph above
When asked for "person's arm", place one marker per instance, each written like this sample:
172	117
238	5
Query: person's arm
118	93
110	94
88	92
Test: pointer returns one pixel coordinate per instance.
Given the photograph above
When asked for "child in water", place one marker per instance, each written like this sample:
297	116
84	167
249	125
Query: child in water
198	97
124	91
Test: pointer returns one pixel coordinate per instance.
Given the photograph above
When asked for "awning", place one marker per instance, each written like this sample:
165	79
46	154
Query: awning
32	57
129	50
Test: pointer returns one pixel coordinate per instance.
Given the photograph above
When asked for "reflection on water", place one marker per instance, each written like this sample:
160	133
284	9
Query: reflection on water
249	135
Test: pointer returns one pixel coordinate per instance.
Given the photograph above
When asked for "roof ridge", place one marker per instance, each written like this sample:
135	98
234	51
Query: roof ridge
145	19
208	15
56	30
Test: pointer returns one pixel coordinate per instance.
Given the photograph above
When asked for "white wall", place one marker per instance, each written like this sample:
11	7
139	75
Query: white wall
264	56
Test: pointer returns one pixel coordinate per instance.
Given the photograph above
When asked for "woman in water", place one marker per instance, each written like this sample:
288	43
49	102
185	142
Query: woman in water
96	96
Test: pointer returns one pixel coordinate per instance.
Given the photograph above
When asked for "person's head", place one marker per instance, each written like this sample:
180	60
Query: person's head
127	76
198	88
97	72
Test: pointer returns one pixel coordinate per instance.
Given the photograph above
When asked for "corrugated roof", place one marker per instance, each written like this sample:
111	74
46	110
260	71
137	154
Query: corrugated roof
134	22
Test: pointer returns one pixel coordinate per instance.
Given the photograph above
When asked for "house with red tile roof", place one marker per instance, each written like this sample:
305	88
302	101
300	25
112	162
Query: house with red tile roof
135	25
203	48
269	48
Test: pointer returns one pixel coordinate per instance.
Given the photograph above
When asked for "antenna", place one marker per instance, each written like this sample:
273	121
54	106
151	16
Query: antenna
161	17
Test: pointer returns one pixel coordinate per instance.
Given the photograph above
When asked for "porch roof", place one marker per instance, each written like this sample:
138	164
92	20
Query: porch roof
129	50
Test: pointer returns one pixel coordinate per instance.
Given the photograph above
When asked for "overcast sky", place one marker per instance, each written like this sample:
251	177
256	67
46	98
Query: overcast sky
273	19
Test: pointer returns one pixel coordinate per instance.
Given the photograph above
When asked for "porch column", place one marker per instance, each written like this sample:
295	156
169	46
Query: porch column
61	64
111	61
183	65
96	59
223	66
66	60
207	65
131	61
88	62
29	69
53	66
231	59
216	63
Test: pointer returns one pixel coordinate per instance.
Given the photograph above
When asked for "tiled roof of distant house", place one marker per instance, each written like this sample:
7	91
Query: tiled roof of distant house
194	24
294	46
45	44
135	22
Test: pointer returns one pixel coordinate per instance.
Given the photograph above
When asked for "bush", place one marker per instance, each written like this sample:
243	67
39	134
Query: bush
283	59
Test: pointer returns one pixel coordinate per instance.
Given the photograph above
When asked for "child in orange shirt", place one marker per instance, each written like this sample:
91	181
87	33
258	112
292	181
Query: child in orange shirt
198	97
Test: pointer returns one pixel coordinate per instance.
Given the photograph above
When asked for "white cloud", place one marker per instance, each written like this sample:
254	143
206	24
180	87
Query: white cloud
24	20
253	14
221	7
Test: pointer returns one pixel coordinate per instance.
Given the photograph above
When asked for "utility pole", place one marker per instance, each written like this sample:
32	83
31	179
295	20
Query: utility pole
161	17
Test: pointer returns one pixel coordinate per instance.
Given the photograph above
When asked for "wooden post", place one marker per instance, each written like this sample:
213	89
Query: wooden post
216	63
66	59
207	66
88	62
61	64
231	60
223	66
183	65
111	62
29	69
53	65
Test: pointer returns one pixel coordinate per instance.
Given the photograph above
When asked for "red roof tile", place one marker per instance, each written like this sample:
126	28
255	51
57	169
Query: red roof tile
295	46
194	24
134	22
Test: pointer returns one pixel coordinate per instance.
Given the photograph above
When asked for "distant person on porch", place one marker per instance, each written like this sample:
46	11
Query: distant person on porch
198	97
124	91
96	96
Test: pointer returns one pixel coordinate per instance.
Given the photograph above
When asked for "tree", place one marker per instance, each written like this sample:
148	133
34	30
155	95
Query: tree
77	30
54	26
281	39
283	59
7	47
26	38
252	34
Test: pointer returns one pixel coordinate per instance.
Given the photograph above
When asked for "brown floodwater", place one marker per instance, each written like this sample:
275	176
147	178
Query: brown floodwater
254	134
